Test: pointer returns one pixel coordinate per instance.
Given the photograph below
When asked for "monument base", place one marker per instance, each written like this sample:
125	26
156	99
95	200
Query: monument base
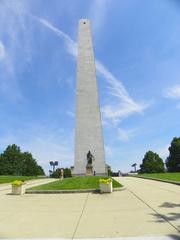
89	170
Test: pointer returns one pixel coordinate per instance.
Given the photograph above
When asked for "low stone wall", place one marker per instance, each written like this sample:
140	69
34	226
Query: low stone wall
68	191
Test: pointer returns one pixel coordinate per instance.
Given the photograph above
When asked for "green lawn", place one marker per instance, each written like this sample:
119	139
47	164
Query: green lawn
163	176
91	182
8	179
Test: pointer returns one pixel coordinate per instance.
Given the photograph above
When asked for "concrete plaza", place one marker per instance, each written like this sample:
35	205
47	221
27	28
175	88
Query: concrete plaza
143	208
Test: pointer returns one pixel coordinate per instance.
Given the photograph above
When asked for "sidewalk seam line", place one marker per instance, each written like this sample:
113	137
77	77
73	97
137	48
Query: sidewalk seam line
162	216
84	205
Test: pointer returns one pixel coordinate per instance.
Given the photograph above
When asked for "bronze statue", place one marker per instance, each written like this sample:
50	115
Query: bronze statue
90	158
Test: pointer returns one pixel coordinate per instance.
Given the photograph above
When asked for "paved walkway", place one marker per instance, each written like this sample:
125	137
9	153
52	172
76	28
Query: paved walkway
145	209
162	198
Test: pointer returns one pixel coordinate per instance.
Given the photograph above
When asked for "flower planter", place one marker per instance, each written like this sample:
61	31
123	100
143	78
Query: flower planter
106	188
18	189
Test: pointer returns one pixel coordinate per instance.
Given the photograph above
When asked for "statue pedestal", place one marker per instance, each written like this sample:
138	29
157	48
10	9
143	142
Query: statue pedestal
89	170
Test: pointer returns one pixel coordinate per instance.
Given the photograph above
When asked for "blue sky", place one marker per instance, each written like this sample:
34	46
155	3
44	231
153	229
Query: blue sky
137	51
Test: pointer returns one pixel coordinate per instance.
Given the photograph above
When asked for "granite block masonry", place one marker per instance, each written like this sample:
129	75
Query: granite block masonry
88	132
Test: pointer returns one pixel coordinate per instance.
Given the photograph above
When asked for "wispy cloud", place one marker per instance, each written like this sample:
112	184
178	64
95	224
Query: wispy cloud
71	46
125	135
125	105
2	51
70	114
98	12
173	92
14	34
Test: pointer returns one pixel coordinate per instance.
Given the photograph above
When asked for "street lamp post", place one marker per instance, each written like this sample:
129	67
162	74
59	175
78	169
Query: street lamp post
134	165
53	164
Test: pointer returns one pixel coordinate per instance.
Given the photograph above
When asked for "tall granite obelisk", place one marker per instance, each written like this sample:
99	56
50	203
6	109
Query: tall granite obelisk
88	133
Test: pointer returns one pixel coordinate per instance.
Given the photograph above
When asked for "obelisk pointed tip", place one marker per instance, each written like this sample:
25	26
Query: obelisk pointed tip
84	21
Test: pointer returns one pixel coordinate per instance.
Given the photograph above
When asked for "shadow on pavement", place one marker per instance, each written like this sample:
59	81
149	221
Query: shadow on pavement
169	216
159	217
174	236
169	205
173	215
162	218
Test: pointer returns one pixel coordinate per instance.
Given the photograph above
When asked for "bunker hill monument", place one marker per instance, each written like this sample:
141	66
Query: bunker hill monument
89	145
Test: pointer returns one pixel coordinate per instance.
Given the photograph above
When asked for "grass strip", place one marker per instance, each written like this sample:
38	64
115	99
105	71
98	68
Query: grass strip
86	182
162	176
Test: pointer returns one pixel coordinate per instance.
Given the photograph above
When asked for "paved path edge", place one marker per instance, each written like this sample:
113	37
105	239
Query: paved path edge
159	180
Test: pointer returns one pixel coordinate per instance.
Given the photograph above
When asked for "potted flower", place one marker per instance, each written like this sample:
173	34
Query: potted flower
106	185
18	187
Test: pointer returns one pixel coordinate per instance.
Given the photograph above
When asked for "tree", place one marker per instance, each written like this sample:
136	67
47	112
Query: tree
67	172
15	162
56	173
151	163
10	161
40	171
173	161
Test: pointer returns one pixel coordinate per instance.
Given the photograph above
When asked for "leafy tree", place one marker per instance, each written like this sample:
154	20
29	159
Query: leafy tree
173	161
56	173
10	161
40	171
30	166
15	162
151	163
67	172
